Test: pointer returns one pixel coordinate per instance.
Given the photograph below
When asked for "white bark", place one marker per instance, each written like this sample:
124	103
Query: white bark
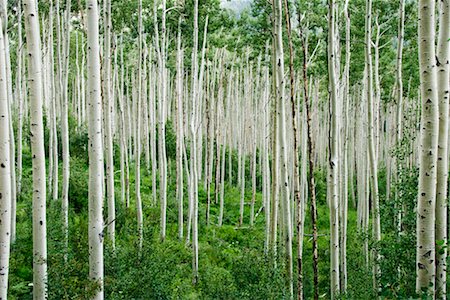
180	131
280	87
443	56
428	149
333	171
96	163
108	104
371	138
5	172
37	150
137	140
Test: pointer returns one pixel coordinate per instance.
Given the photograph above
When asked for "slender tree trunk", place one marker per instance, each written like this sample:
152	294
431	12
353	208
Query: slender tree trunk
399	112
137	140
65	129
193	159
443	57
20	99
297	195
108	108
180	131
12	146
371	139
428	150
345	163
161	125
333	171
37	150
311	183
285	202
5	171
96	163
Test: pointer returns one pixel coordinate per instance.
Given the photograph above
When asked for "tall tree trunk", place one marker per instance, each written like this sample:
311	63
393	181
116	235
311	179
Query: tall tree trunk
443	57
333	171
96	163
280	86
193	201
180	131
108	108
65	128
371	140
345	163
311	183
161	125
5	170
12	145
137	140
37	150
428	149
296	179
399	112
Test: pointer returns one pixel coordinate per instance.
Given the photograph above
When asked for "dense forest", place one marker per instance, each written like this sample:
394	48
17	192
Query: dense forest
216	149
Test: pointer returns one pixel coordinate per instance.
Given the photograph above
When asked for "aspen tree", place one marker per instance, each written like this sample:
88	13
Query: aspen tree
12	146
399	84
311	183
296	175
428	150
345	163
19	92
96	163
180	131
55	98
227	125
161	125
275	153
122	133
64	93
280	85
5	172
108	108
442	57
37	150
193	197
333	171
265	149
218	134
371	139
137	140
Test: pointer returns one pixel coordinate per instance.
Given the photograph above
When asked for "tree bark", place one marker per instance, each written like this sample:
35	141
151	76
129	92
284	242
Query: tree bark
96	164
333	163
443	56
5	171
428	150
37	150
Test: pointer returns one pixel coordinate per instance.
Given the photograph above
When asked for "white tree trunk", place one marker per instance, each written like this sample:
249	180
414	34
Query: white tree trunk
285	194
37	150
180	131
443	57
428	149
96	164
5	172
333	172
371	138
